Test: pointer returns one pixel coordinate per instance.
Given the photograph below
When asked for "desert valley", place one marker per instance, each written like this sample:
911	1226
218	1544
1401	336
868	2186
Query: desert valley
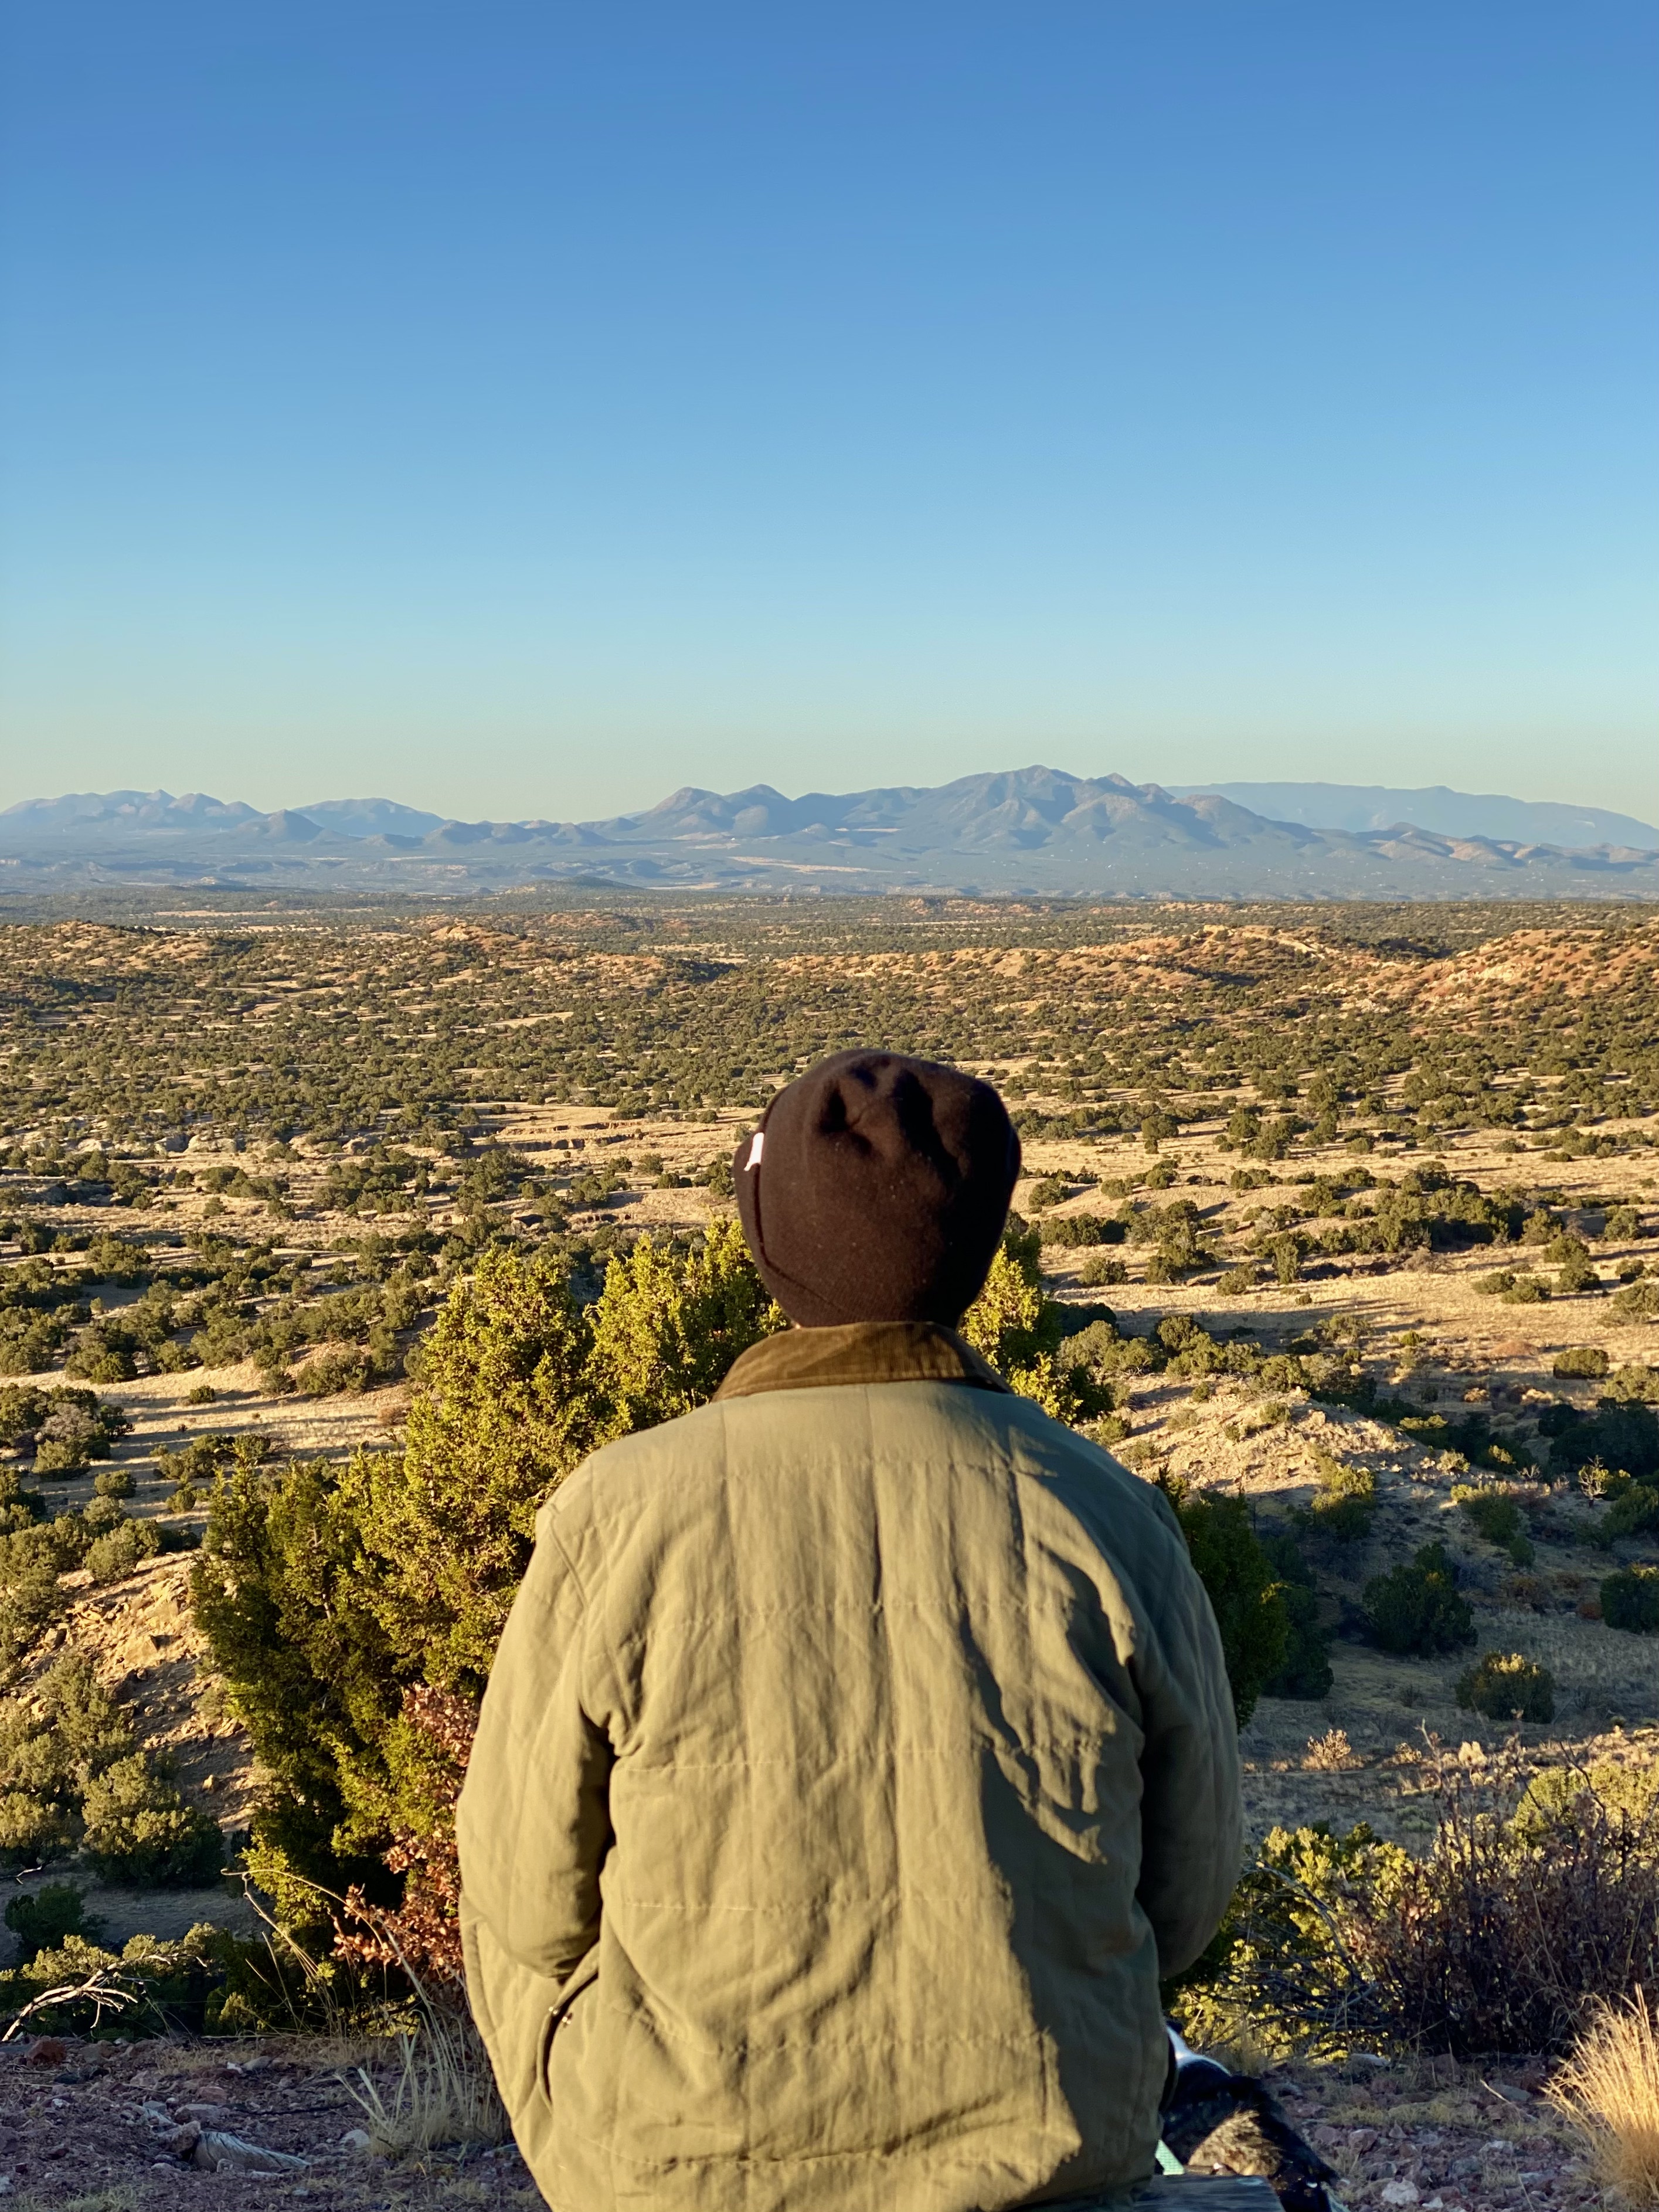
1344	1222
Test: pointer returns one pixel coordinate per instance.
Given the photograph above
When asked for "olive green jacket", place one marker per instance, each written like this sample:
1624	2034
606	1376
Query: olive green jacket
858	1754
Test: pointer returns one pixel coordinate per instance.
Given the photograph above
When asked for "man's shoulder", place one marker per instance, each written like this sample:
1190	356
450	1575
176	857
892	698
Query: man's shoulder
1100	1488
713	1441
1004	1435
624	1476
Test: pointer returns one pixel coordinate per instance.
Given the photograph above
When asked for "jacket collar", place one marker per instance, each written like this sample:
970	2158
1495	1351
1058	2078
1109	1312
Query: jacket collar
860	1352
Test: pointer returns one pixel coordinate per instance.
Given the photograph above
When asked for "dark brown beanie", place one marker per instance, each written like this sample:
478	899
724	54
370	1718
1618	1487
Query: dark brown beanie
876	1188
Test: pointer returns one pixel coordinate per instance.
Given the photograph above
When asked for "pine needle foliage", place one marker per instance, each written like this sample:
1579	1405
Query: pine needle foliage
1018	1329
1246	1592
326	1593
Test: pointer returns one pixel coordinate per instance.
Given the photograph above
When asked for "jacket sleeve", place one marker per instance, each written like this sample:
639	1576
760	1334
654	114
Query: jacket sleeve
533	1825
1192	1814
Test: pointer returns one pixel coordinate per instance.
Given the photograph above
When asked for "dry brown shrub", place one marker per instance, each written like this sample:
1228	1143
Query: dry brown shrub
1512	1929
1534	1906
423	1935
1331	1753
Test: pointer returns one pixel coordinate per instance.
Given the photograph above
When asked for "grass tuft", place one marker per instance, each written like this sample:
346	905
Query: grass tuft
442	2093
1609	2088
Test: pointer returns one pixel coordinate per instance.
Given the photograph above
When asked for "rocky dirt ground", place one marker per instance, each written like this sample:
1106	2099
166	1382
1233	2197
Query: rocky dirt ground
135	2128
1441	2136
146	2127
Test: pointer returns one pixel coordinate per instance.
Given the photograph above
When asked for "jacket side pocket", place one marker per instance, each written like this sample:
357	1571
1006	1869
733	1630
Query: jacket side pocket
583	1978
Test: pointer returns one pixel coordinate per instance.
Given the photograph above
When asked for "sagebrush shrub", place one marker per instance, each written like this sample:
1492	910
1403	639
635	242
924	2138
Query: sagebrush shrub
1493	1513
122	1549
41	1922
1504	1686
1281	1959
174	1986
1497	1517
1504	1937
1345	1499
341	1367
1622	1432
1637	1384
136	1828
72	1773
1068	1230
20	1509
1100	1272
1585	1362
1632	1506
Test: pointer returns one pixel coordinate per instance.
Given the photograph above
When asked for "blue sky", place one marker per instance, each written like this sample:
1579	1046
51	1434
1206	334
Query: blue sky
523	408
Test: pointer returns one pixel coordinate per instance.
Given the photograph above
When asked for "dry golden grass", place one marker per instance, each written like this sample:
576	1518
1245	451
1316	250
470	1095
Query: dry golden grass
443	2092
1610	2089
1244	2048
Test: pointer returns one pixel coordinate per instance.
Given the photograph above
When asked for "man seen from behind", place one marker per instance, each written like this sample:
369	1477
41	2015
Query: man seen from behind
859	1753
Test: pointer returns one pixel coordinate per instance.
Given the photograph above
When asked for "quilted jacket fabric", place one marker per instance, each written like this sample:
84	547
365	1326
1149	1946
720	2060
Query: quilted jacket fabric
858	1754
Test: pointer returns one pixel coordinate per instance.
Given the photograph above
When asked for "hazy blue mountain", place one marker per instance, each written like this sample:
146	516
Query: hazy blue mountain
1359	806
371	817
1036	830
116	813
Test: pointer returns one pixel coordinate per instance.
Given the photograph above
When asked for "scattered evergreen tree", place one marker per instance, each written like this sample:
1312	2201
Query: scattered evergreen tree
1415	1608
1249	1597
1630	1600
1306	1671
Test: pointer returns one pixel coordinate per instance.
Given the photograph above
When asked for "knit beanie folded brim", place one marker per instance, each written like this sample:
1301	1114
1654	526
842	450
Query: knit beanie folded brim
876	1188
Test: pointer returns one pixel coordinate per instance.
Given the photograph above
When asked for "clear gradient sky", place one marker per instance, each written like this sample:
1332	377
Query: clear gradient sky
520	409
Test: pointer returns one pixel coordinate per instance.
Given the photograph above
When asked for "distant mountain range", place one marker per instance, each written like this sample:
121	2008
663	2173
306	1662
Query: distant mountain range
1361	807
1031	830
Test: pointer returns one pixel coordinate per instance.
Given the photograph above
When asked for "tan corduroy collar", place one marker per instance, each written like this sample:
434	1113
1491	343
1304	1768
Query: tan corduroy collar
861	1352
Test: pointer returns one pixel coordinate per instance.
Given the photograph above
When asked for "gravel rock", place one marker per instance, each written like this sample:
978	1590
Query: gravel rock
218	2152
